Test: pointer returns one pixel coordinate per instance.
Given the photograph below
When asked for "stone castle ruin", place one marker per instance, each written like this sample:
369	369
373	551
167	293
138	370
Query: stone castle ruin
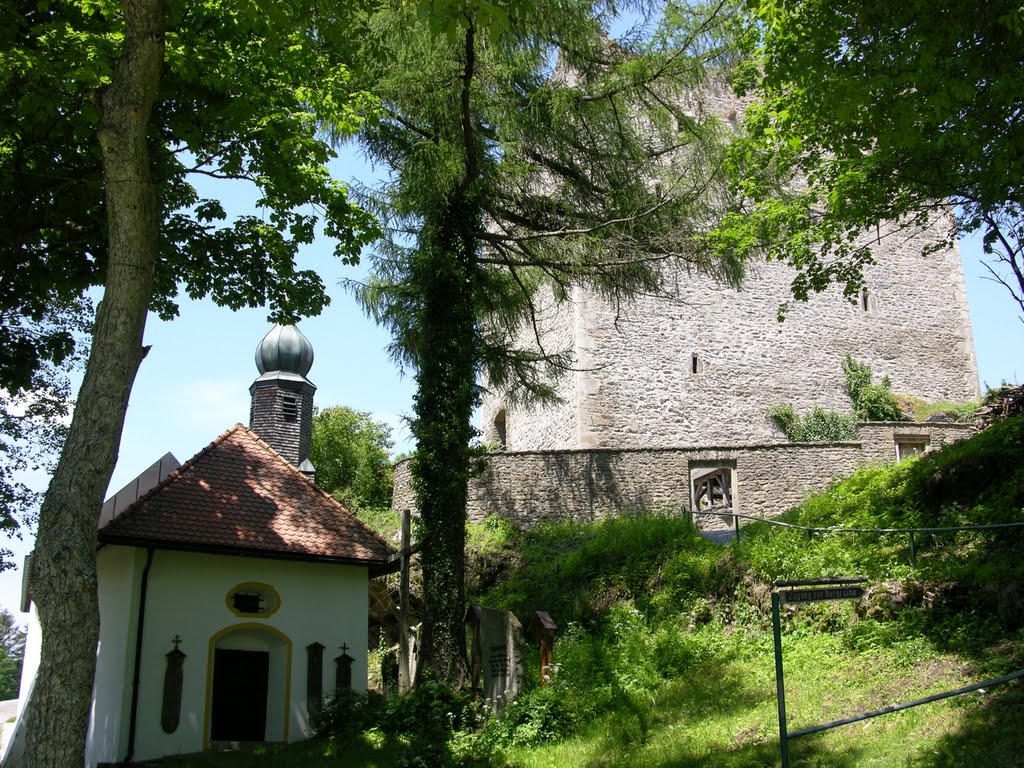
665	406
701	366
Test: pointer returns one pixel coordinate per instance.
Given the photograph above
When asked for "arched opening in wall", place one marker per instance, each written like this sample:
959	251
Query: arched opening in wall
867	301
500	431
713	486
248	684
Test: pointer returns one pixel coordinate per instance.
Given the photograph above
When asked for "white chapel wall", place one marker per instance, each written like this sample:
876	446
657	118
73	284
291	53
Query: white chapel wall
320	602
119	575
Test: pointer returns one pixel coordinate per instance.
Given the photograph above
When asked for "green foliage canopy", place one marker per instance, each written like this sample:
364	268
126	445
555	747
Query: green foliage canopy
351	455
874	112
242	94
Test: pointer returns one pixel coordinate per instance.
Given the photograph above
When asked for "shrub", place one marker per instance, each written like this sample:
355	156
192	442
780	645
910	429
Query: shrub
871	402
819	425
432	723
577	572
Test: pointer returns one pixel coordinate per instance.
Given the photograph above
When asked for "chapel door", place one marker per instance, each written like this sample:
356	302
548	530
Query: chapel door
239	706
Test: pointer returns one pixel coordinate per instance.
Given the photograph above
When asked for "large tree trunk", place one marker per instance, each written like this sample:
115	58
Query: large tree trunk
445	396
64	569
445	272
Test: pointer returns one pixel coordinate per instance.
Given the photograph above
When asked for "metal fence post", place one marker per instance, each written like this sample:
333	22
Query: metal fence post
736	520
780	688
913	551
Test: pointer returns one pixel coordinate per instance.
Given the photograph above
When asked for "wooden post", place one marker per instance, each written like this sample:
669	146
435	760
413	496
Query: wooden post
343	670
404	683
314	678
543	628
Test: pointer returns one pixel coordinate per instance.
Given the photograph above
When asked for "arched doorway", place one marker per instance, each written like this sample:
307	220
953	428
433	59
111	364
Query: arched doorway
248	684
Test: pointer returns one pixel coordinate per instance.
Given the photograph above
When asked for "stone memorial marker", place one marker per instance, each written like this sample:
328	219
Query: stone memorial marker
497	655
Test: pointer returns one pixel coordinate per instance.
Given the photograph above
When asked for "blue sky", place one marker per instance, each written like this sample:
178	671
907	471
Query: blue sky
194	383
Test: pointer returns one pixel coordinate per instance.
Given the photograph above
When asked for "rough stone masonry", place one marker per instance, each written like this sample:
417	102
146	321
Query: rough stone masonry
678	382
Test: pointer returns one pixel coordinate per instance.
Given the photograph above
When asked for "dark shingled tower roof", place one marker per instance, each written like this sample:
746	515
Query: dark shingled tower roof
239	496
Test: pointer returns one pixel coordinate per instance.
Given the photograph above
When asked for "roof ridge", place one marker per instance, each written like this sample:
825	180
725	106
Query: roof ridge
306	478
174	475
345	509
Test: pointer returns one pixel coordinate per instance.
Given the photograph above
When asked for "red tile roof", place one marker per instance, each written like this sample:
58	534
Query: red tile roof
239	496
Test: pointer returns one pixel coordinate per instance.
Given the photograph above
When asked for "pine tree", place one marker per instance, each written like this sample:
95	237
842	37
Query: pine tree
529	153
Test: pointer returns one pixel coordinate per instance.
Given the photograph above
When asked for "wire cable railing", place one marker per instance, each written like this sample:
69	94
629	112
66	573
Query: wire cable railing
910	532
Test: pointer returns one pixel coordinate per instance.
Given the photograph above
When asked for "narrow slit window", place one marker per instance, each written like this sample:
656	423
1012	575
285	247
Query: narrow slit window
694	364
500	428
865	301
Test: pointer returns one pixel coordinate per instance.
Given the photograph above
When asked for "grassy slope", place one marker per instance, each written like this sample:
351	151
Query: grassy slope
665	651
955	619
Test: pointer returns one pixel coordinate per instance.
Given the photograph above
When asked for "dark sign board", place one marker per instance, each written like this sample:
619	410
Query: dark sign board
821	594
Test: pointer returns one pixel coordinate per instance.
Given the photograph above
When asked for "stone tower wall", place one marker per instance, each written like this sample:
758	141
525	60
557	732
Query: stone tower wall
583	485
550	426
635	385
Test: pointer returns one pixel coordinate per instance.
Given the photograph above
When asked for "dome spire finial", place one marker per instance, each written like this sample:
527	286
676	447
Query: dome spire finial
284	348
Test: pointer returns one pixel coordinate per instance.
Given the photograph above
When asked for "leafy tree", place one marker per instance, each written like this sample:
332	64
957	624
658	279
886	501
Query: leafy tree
529	155
33	424
351	455
12	654
869	117
108	109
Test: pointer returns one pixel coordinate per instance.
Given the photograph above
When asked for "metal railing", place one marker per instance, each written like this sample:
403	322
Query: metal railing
736	516
838	588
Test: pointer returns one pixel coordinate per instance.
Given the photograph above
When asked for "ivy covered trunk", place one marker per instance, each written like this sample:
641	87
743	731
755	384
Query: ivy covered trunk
445	397
64	569
529	155
445	273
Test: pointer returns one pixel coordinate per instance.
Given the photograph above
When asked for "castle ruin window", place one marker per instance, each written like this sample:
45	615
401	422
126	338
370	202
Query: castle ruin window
500	432
867	301
910	445
713	492
712	489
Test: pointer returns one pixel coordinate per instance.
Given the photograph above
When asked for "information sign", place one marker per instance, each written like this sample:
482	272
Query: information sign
821	595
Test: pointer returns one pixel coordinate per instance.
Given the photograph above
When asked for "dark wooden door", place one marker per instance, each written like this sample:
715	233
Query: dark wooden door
239	707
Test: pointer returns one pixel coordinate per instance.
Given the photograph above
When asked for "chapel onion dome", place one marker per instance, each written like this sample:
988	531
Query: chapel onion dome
284	349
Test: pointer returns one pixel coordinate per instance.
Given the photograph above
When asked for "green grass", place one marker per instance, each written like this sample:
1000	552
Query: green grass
665	650
368	750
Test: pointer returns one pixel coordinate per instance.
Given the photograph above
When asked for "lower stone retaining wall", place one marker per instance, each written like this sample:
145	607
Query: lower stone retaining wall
583	485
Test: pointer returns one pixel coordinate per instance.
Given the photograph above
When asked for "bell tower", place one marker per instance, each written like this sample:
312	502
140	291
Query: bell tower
282	397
